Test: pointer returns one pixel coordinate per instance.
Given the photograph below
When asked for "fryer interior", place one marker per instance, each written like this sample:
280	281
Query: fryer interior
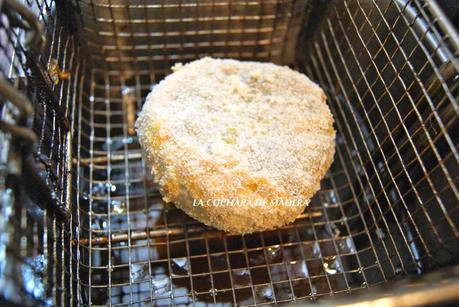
387	209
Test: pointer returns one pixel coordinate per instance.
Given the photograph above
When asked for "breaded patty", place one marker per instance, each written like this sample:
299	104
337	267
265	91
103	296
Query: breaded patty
240	146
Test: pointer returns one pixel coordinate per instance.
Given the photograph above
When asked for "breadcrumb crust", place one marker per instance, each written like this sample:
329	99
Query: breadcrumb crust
225	129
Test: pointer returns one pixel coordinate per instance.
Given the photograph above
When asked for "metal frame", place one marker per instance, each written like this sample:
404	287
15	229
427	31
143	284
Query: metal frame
390	72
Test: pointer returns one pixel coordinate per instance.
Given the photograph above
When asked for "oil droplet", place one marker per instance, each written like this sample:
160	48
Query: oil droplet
33	283
274	253
180	266
39	264
241	277
118	206
213	292
116	143
313	290
265	292
333	230
138	271
380	233
99	224
299	269
333	265
111	187
100	189
328	198
346	246
316	249
161	285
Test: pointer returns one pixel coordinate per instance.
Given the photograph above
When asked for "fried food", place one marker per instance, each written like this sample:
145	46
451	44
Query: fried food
240	146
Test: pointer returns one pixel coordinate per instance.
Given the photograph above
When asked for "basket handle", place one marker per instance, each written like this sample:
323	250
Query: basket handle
34	40
23	17
23	104
35	37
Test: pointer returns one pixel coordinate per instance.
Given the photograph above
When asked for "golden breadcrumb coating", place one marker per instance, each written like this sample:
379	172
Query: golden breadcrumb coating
220	129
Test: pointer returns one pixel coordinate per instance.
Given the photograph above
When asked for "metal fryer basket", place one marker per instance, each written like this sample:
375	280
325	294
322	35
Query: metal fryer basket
388	207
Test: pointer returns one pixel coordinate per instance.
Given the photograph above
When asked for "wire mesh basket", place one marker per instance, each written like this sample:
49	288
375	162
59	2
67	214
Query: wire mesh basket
82	223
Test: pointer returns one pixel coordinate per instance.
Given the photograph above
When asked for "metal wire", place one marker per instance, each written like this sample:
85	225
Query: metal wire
35	241
398	145
388	206
361	230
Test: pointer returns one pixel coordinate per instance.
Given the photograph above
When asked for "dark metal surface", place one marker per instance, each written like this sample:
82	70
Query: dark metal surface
388	207
35	249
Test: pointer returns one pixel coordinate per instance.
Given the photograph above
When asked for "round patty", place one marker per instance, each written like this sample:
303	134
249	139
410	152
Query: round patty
240	146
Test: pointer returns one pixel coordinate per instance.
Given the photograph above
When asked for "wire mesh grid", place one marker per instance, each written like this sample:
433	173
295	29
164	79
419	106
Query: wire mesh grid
154	35
365	226
387	207
36	255
393	96
169	258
